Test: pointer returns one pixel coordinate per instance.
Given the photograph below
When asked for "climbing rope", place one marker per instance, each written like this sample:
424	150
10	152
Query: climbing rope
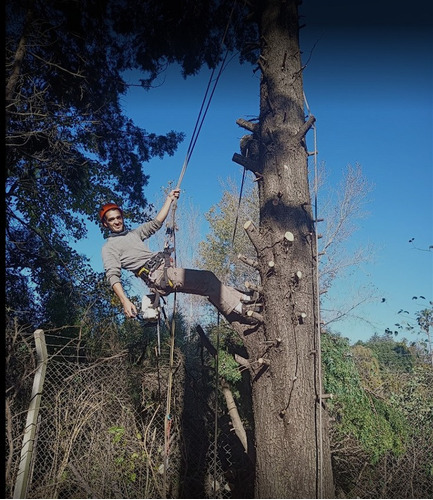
317	311
171	229
239	206
215	444
205	103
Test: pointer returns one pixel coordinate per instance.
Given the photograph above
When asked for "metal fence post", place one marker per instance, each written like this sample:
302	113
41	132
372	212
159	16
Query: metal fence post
21	483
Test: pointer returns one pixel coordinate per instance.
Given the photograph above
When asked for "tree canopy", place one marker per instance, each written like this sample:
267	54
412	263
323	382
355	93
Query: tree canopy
69	145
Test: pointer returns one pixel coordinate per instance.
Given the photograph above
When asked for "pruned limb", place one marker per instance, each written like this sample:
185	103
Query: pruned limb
260	65
242	361
248	261
246	162
231	405
256	315
327	396
305	128
288	240
252	286
263	361
247	125
253	234
288	237
258	177
297	276
320	254
275	342
234	415
301	318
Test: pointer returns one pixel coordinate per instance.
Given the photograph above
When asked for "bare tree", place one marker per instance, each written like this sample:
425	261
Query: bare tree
292	445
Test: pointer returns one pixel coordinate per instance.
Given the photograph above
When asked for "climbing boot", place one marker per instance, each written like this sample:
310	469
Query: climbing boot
255	307
250	315
251	297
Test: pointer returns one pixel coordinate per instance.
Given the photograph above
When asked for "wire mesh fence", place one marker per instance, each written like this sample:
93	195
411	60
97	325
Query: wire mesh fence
91	439
103	430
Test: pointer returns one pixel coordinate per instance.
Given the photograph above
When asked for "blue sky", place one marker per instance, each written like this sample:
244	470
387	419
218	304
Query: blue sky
369	83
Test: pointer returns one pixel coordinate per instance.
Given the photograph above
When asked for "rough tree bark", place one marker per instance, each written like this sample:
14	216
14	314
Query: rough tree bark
292	446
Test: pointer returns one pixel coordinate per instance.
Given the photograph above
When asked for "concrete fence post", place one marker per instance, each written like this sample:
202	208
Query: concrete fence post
21	483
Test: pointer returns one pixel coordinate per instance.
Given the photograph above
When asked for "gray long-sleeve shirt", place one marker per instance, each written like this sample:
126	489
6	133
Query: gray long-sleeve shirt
126	250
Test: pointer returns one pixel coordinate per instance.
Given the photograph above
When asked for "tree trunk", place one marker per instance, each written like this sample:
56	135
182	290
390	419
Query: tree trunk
293	454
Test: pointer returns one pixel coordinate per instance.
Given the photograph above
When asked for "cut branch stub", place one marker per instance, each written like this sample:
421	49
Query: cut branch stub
301	318
288	236
258	177
247	125
263	361
242	361
288	239
305	128
256	315
246	162
252	286
248	261
234	414
253	234
297	276
327	396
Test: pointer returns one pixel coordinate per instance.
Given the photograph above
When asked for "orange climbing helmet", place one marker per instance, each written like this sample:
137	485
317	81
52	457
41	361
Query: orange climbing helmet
106	208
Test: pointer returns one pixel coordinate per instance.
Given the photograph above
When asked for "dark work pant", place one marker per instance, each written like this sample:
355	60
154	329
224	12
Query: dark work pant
197	282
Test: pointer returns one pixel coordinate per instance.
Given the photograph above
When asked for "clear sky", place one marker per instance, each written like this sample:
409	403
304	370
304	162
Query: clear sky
369	84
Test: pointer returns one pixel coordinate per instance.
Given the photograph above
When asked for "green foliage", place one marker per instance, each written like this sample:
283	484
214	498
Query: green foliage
219	252
416	399
128	462
117	432
394	356
69	148
383	404
368	367
373	422
424	319
229	344
229	369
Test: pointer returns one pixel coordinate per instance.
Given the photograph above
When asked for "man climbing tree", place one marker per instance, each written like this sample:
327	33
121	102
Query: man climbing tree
291	441
292	450
125	250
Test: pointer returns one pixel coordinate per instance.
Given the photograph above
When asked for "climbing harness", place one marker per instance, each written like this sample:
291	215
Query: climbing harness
151	265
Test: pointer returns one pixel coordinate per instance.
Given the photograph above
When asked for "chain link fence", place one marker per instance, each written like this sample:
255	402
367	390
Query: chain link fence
103	431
